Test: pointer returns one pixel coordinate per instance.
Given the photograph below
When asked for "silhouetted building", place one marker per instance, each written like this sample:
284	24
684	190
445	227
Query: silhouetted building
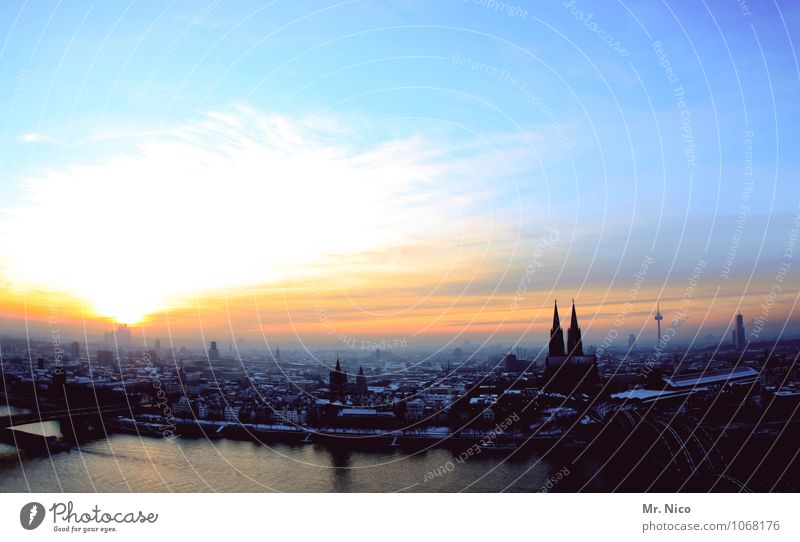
571	371
514	364
338	382
556	347
574	343
361	382
119	340
631	341
105	357
59	377
658	319
738	333
153	355
75	349
213	351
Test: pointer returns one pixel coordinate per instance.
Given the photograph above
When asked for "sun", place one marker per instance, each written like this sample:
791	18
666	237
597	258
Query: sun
235	200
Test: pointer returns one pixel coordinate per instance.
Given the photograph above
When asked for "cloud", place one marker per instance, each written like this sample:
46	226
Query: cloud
235	198
36	138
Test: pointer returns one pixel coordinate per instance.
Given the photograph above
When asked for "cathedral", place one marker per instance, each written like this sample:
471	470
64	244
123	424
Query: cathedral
568	369
338	382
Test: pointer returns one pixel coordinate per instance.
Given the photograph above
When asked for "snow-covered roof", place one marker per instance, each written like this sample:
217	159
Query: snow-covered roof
712	377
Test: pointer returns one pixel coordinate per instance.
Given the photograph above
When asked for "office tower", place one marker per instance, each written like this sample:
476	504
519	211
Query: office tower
739	343
119	340
75	349
158	345
631	341
105	357
213	352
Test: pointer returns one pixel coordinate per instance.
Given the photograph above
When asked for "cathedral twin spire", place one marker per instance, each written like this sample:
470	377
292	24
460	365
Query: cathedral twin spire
574	342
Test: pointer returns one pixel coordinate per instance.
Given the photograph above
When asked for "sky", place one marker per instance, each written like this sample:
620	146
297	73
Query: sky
362	171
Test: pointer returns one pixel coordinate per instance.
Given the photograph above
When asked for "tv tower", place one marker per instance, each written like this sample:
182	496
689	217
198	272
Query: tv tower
659	317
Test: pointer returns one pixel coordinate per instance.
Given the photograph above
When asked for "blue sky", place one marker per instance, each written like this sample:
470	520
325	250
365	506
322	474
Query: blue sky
549	117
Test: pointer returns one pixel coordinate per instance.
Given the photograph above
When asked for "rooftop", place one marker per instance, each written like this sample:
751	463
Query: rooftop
712	377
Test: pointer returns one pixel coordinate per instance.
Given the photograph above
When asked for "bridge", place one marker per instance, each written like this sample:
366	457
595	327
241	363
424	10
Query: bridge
14	420
70	420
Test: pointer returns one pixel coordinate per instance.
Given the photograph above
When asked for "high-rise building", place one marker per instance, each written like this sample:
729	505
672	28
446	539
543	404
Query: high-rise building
158	345
75	349
213	351
119	340
105	357
631	341
739	341
153	355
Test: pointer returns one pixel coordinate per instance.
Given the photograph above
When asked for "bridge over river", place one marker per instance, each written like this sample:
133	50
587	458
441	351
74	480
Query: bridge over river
71	420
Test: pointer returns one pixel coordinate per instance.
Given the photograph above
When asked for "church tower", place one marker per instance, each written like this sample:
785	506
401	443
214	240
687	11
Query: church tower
556	336
574	343
338	382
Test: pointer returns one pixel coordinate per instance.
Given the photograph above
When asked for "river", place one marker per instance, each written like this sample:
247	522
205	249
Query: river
124	463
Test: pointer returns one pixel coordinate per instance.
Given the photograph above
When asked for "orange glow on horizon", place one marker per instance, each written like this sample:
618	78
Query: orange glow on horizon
297	312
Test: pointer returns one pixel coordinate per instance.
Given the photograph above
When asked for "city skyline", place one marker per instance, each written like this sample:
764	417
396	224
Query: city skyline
413	187
400	246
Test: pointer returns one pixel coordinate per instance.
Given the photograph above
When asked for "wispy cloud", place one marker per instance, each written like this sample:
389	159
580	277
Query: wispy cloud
36	138
236	198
